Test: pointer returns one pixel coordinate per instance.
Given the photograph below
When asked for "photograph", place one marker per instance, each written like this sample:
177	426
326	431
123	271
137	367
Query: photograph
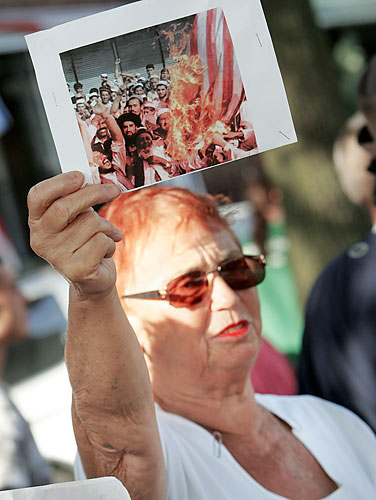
141	99
160	102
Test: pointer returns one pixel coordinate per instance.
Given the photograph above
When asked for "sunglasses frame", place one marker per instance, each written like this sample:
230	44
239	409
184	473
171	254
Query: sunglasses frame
164	295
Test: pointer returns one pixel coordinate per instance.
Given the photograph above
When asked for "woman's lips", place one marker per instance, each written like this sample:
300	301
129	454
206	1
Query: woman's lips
234	330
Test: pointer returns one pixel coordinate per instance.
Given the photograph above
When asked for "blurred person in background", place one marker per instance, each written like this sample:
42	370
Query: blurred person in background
21	464
273	371
281	310
338	359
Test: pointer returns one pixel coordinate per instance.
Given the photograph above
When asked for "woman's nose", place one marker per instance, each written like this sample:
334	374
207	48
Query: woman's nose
222	295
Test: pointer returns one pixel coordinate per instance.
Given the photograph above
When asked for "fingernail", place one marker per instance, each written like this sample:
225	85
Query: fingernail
75	176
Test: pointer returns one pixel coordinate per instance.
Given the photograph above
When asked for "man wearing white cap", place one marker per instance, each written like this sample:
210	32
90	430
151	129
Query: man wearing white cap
105	94
163	116
81	108
113	94
150	164
152	95
106	82
162	91
149	114
84	112
139	89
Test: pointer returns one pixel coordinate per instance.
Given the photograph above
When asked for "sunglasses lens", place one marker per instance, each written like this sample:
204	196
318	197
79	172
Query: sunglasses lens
239	274
243	273
188	289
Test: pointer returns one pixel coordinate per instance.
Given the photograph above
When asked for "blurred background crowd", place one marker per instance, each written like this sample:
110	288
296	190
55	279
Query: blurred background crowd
294	204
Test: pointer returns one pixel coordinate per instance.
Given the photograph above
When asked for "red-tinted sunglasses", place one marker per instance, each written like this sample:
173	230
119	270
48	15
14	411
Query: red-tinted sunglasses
190	288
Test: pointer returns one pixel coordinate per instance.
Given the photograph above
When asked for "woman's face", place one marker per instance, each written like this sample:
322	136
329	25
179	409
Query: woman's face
190	346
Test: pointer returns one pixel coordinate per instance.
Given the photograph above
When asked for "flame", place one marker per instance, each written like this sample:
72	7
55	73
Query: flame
178	37
194	117
193	122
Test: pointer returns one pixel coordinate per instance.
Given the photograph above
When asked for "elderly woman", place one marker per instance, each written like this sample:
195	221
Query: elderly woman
162	397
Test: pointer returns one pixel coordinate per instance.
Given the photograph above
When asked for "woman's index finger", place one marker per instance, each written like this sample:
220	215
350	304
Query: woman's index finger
42	195
65	209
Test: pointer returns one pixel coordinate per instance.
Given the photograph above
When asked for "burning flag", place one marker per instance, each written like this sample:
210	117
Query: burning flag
211	42
206	87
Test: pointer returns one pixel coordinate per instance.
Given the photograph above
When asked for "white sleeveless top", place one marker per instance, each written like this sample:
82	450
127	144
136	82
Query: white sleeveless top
198	468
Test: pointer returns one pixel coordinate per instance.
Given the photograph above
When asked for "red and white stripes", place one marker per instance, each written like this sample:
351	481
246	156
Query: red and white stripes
211	41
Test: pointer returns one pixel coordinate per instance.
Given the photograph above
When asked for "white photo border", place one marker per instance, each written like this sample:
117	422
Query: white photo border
266	96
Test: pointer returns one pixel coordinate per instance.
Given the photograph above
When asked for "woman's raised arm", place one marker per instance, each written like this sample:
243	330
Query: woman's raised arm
113	408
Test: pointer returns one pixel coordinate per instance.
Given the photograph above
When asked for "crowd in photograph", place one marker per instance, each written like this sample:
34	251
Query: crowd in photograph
124	124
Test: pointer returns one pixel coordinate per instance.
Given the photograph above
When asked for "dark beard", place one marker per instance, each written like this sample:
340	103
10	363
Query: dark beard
129	141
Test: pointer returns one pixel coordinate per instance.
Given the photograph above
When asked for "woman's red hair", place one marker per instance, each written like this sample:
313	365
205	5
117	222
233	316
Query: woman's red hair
138	215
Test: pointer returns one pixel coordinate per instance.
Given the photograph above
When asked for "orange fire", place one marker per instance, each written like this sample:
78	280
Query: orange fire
193	122
178	37
192	125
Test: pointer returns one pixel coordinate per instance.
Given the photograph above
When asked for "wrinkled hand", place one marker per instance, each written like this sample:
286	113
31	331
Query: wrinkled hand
70	235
